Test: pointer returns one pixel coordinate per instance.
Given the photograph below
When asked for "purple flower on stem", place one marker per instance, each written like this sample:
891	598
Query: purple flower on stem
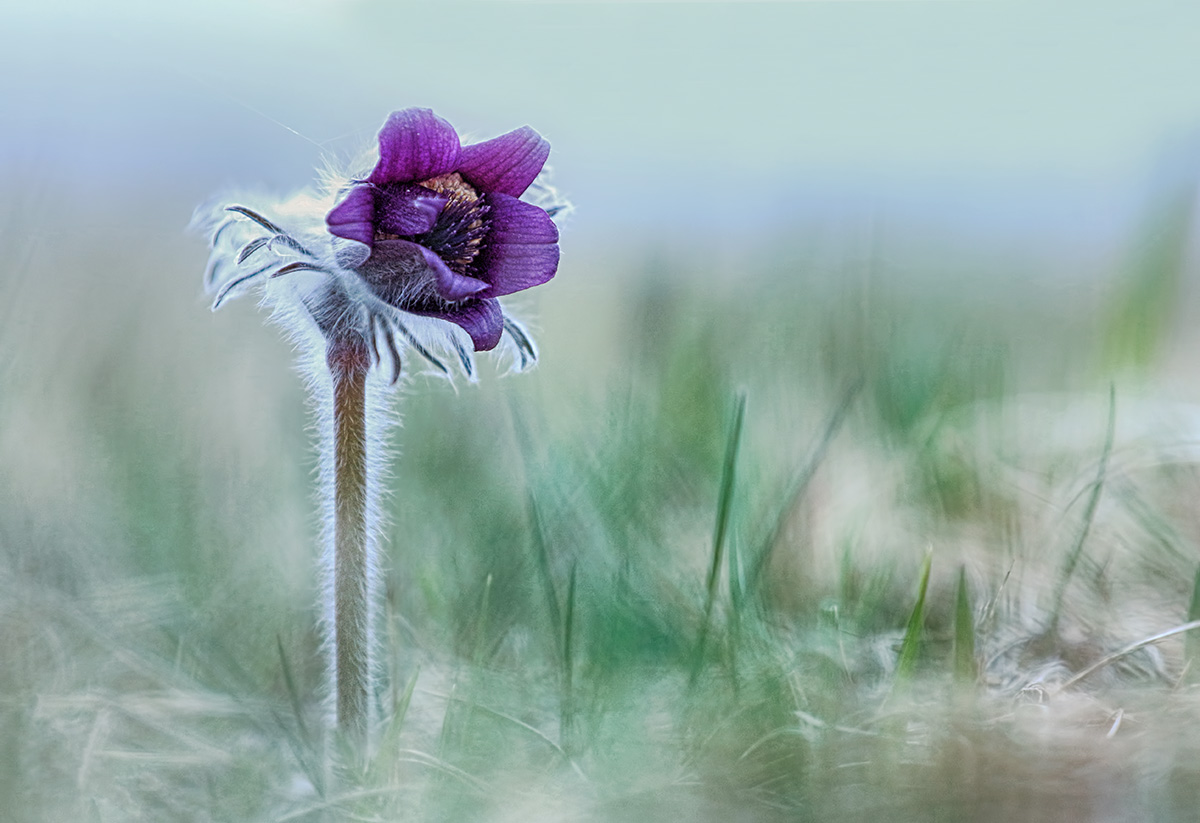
437	229
411	256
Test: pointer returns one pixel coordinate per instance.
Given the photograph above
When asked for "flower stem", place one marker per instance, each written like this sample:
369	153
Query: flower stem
349	361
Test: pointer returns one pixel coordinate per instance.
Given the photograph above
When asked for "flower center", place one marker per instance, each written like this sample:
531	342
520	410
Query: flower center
459	231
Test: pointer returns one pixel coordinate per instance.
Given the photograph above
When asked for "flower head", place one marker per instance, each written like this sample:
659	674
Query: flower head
437	228
424	243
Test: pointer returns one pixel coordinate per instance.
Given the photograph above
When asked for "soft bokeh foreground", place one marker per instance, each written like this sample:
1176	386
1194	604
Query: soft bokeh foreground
560	644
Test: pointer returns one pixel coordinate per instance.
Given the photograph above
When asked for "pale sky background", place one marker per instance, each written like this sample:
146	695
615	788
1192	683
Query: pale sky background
664	117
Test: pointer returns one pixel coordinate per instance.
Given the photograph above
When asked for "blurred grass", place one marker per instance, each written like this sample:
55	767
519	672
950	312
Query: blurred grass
608	596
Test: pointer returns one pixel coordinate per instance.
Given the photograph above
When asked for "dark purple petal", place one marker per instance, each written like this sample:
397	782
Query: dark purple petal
482	319
506	164
415	145
521	250
354	217
408	209
404	274
450	284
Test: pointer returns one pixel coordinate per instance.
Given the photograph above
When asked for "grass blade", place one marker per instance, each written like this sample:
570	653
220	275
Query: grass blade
566	717
798	486
1089	516
724	506
537	528
966	668
400	708
304	745
481	620
910	649
293	692
545	573
390	744
736	574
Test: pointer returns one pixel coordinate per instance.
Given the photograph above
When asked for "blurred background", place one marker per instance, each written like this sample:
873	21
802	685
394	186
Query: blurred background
667	119
923	238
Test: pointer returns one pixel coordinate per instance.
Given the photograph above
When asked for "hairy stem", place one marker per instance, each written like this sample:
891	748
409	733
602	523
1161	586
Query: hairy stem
348	359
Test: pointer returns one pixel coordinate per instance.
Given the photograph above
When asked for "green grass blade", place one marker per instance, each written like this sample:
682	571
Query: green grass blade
390	744
537	526
721	528
1089	516
400	707
966	668
293	693
798	486
566	717
910	648
303	745
725	498
545	573
481	620
737	575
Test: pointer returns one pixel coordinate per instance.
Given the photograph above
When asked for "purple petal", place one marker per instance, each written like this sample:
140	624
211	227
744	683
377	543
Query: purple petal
415	145
506	164
408	209
354	217
521	250
404	274
450	284
482	319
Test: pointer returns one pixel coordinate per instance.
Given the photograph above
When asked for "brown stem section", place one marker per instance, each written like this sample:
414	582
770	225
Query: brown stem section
349	361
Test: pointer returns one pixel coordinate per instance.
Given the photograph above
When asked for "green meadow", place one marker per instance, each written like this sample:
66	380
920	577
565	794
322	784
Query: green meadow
827	526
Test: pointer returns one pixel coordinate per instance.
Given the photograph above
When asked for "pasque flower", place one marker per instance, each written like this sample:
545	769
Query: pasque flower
410	256
438	229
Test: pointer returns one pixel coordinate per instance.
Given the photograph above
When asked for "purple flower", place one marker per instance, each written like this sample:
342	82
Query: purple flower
437	229
411	255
